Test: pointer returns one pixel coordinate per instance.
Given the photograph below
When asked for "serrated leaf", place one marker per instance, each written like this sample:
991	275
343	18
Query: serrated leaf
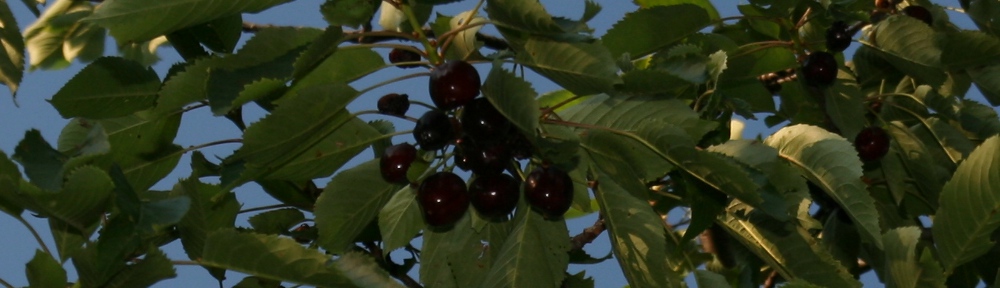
42	164
331	153
351	200
83	199
985	79
154	267
276	221
45	272
138	20
383	127
967	214
343	66
523	15
965	49
110	87
300	124
641	32
581	68
400	220
46	36
786	248
638	238
704	4
906	38
979	119
441	249
629	113
905	269
845	105
579	280
204	216
226	84
323	46
513	97
220	35
12	54
363	271
352	13
534	254
654	82
780	178
83	137
272	257
830	162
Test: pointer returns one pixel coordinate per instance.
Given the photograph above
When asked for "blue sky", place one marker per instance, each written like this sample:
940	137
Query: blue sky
198	126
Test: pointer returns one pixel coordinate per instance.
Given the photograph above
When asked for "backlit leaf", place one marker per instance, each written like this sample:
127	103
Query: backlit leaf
110	87
270	256
137	20
351	200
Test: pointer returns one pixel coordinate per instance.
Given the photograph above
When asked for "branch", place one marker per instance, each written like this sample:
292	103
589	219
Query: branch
588	235
389	266
363	37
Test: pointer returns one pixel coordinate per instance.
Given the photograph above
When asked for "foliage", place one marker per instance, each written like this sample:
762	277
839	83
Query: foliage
642	123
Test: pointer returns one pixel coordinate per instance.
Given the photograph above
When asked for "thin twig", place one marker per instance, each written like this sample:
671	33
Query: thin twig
35	233
589	234
368	37
184	262
213	143
268	207
5	284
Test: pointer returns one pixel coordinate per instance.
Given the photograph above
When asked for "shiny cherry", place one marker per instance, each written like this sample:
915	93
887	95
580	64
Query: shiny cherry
837	37
443	199
494	196
433	130
482	158
453	84
549	191
396	161
872	143
483	122
819	69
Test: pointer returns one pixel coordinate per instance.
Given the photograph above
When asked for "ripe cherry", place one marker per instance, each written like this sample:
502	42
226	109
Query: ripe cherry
482	158
396	161
837	37
453	84
820	69
549	191
433	130
494	196
397	56
443	199
482	122
394	104
920	13
872	143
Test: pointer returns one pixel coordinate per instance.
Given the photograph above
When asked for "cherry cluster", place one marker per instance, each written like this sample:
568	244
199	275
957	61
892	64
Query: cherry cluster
485	143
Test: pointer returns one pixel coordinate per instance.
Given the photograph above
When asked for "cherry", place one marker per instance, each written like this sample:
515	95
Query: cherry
394	104
482	122
920	13
443	199
453	84
872	143
482	159
494	196
397	56
820	69
883	4
837	37
518	144
549	191
433	130
396	161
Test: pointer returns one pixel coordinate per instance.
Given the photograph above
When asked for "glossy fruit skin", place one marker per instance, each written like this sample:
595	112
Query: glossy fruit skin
443	199
872	143
433	130
549	191
482	159
819	69
394	104
453	84
494	196
401	55
920	13
482	122
396	161
837	37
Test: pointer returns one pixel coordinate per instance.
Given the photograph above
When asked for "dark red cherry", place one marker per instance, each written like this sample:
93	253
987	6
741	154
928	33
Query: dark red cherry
482	122
433	130
920	13
482	158
518	144
837	37
443	199
494	196
819	69
397	56
396	161
394	104
872	143
453	84
549	191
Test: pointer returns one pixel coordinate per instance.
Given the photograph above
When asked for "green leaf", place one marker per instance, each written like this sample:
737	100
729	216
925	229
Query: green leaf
110	87
579	280
276	221
363	271
443	255
258	282
45	38
204	216
706	278
905	268
83	198
905	37
270	256
351	13
985	79
638	238
12	54
830	162
513	97
704	4
45	272
779	178
641	32
400	220
581	68
82	137
788	249
322	47
221	35
137	20
967	49
226	82
533	255
350	201
967	215
42	164
298	126
845	105
154	267
331	153
343	66
68	240
979	119
522	15
630	113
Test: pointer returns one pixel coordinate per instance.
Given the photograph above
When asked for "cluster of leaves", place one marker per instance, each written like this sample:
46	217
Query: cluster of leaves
642	124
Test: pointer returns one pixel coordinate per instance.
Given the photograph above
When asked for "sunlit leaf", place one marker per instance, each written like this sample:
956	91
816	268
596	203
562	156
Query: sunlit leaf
272	257
642	32
137	20
12	54
904	265
529	256
513	97
45	272
351	200
400	220
581	68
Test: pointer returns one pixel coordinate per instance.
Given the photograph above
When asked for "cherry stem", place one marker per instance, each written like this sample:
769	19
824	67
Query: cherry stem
35	234
805	18
393	80
213	143
429	106
432	54
548	110
268	207
761	47
5	283
184	262
589	234
364	112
